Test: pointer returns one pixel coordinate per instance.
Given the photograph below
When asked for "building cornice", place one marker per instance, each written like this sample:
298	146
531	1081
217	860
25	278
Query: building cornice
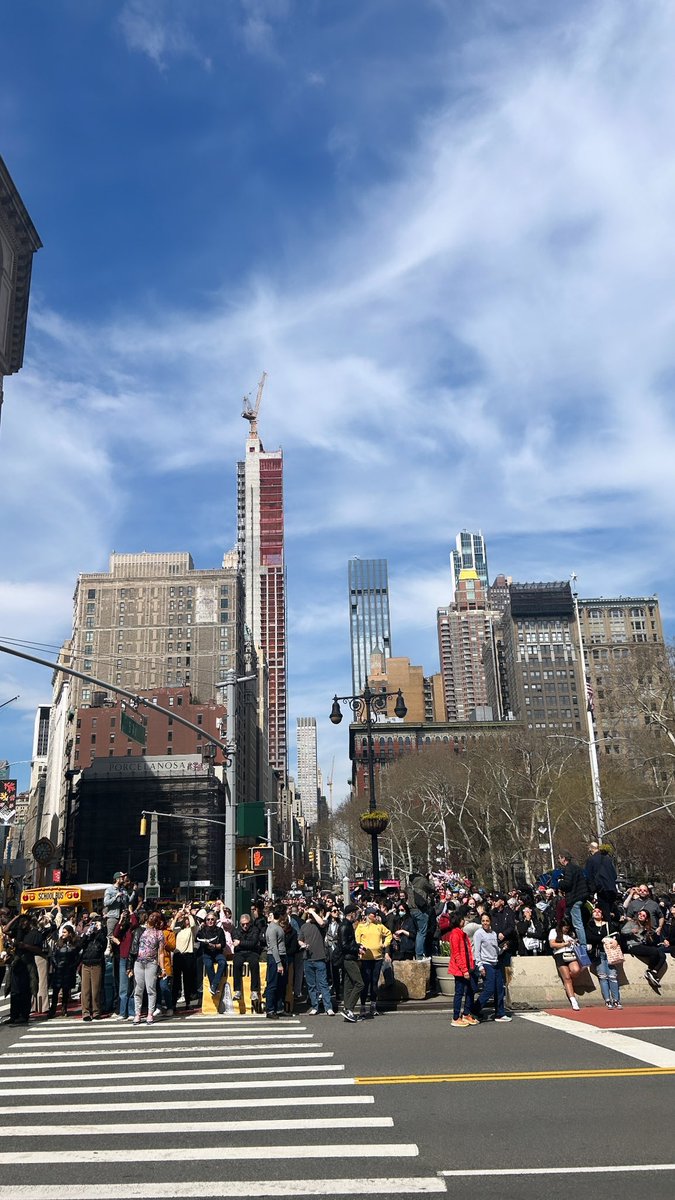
25	241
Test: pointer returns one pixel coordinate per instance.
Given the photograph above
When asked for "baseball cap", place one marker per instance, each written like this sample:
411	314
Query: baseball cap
350	908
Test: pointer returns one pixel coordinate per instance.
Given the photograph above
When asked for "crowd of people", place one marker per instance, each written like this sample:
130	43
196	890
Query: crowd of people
135	962
585	921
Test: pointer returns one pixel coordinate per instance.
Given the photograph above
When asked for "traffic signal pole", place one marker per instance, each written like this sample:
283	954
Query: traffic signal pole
227	749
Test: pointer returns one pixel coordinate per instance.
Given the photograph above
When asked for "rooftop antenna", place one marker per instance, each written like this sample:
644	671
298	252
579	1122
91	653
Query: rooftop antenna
250	412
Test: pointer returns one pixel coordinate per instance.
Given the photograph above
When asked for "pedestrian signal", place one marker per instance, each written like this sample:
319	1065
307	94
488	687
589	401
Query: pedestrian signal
262	858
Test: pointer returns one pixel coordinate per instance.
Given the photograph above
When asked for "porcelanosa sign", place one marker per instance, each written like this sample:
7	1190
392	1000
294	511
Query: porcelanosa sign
136	768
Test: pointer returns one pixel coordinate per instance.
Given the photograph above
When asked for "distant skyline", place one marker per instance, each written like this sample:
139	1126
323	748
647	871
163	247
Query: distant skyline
444	230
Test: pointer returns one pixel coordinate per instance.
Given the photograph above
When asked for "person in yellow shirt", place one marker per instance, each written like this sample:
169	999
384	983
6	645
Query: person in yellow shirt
374	940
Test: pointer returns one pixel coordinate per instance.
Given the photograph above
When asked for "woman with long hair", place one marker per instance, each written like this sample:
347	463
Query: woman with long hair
63	962
562	942
122	937
597	931
462	965
646	946
143	964
404	932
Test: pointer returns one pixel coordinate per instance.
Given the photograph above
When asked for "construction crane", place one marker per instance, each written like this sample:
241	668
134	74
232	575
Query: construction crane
250	412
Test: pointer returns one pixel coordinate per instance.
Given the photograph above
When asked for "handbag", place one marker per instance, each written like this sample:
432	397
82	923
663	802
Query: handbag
581	955
613	952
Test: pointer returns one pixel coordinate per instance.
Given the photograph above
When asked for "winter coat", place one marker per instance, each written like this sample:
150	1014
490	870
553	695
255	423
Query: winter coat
94	946
63	963
601	872
461	954
573	884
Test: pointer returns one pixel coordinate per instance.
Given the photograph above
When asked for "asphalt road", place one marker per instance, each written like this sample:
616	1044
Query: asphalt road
401	1105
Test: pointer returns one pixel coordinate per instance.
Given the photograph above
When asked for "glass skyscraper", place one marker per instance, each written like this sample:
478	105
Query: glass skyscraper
369	623
470	554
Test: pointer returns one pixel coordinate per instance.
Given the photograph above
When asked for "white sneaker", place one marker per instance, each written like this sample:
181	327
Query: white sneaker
312	1012
575	1003
329	1012
237	996
505	1018
157	1012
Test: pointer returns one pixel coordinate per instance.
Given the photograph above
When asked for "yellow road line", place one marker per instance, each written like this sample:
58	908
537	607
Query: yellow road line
515	1076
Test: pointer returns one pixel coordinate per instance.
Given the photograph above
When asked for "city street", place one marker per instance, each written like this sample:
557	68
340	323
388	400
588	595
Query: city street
405	1104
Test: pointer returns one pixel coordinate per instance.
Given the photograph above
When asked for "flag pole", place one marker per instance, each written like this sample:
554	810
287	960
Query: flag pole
592	741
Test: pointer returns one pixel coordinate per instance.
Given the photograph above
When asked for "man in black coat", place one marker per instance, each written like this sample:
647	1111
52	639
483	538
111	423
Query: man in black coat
601	876
574	887
349	952
246	940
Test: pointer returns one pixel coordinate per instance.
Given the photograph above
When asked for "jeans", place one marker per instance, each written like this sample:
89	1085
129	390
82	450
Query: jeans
493	986
126	1008
578	922
353	983
145	976
421	920
370	971
216	969
464	995
276	984
316	978
608	979
164	991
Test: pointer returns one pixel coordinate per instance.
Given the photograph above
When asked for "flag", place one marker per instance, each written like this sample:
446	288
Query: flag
589	697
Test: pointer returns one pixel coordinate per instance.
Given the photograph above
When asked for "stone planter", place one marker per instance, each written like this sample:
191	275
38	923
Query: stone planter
445	982
411	980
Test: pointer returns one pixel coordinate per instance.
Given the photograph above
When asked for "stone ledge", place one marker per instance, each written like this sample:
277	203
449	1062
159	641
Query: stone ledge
534	982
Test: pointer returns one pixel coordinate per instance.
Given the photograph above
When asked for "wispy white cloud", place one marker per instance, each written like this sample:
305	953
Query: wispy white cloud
157	29
487	341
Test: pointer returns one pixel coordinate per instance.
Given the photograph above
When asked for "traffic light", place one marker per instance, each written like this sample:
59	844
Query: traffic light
311	856
262	858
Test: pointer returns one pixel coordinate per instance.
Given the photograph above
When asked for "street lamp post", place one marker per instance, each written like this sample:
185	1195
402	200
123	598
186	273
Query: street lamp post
592	744
363	707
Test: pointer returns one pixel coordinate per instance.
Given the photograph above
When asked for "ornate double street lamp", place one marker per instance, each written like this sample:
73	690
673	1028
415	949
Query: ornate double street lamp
374	821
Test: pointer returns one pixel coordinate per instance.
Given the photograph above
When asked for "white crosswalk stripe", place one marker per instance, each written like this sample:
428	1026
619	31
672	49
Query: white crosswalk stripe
250	1111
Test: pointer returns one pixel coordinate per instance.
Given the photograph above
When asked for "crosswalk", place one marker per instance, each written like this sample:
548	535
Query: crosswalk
194	1108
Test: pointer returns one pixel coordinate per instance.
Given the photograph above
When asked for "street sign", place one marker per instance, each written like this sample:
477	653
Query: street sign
262	858
133	729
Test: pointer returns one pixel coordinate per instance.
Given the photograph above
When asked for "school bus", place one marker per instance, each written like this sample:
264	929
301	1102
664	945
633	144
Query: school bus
70	895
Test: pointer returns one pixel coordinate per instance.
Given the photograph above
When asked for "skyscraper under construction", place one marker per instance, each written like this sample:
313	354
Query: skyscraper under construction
260	542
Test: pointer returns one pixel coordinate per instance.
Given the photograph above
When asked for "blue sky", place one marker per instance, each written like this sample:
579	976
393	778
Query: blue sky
445	231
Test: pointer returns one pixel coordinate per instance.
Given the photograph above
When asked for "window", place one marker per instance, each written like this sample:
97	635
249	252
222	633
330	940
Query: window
91	594
88	637
91	608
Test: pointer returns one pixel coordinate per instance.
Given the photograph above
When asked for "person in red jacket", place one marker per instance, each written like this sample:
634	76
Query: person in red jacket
462	966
